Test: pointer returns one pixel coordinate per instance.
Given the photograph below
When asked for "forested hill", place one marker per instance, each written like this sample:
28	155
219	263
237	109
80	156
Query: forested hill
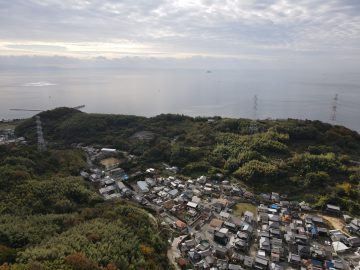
52	219
308	160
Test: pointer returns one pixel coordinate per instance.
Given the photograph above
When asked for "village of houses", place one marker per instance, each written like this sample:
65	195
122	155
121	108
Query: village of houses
219	225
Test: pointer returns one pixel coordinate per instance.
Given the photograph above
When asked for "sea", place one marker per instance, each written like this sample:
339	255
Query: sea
260	94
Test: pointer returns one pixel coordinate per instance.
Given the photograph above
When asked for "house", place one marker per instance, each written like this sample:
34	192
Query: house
265	243
224	230
121	186
319	253
274	218
192	205
275	197
173	193
316	265
243	235
274	225
275	256
274	266
150	182
277	246
275	233
207	190
347	218
353	242
231	226
112	196
237	257
294	259
304	252
117	173
240	245
248	216
245	227
322	231
220	252
221	238
205	253
180	225
182	262
338	264
221	264
263	218
187	245
261	262
216	223
333	209
194	256
209	261
108	150
84	174
224	215
354	226
234	267
107	181
337	235
107	190
339	247
301	239
248	261
150	170
143	186
201	179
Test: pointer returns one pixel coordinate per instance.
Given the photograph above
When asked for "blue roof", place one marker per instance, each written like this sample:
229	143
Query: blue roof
274	206
314	230
316	262
330	264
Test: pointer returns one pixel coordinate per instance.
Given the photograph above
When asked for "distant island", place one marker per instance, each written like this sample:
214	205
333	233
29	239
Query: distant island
147	180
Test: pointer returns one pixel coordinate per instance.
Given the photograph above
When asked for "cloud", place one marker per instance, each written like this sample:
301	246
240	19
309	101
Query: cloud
268	29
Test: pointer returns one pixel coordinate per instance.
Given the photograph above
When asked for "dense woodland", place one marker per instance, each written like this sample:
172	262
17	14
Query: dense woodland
51	219
308	160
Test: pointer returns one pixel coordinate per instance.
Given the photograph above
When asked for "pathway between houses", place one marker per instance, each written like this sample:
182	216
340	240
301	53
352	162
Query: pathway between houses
173	252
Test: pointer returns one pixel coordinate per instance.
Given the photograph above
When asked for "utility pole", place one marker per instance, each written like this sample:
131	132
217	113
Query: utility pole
253	124
334	107
40	136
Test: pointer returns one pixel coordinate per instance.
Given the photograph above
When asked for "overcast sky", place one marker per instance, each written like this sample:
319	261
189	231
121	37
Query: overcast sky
309	33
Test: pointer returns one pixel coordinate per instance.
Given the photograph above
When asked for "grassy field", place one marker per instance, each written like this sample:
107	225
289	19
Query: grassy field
110	162
240	208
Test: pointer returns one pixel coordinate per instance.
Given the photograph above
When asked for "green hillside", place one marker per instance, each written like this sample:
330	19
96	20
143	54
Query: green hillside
51	219
306	159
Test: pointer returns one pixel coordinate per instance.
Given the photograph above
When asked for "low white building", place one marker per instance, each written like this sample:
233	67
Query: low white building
108	150
192	205
143	186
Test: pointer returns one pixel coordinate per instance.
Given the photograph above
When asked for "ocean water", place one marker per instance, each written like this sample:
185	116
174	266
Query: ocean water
228	93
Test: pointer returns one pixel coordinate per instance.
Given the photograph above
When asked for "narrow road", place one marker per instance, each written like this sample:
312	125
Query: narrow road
173	252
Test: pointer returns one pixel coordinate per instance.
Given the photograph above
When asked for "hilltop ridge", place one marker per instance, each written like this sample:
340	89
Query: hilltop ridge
305	159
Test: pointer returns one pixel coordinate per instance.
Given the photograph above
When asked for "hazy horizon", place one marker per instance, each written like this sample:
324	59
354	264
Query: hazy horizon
302	51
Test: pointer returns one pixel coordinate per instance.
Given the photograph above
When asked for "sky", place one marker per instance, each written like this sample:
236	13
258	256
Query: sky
252	33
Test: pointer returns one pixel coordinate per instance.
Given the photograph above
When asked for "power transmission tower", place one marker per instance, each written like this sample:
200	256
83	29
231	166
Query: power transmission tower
40	136
334	107
253	124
